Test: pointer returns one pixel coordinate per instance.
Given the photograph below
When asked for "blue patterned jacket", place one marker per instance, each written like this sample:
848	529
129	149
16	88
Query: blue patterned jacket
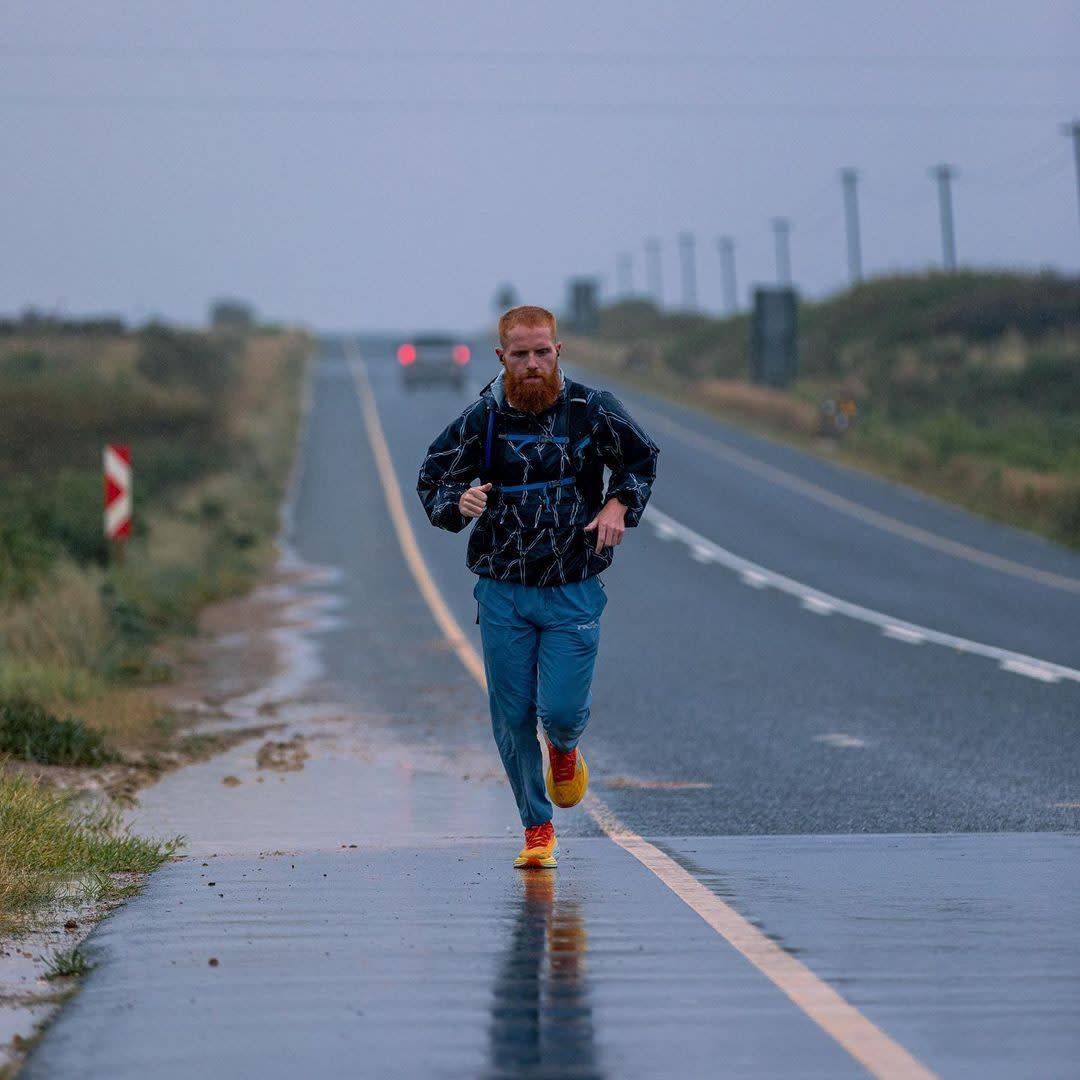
532	530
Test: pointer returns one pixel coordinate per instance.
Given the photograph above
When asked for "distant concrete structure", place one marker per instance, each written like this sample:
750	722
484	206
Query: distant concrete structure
944	175
774	336
850	178
688	261
654	271
583	305
505	298
727	268
782	232
237	316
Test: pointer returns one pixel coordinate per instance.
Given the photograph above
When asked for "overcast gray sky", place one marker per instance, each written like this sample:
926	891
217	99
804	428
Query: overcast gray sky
379	165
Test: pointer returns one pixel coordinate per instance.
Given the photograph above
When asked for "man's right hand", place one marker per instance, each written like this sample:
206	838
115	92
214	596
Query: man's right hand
474	501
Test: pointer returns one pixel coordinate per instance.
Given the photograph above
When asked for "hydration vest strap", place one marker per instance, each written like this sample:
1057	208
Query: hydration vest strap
578	437
542	484
488	440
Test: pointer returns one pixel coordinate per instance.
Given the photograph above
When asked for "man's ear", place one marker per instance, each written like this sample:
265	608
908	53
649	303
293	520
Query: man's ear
501	355
558	347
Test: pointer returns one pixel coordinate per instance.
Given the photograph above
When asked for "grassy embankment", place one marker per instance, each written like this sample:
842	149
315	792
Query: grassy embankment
967	385
211	422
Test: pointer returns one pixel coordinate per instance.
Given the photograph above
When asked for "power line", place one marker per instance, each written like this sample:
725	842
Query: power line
503	57
267	104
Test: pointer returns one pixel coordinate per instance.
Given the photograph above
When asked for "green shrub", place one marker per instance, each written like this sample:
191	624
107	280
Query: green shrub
1068	518
29	732
71	515
25	557
178	358
28	364
67	962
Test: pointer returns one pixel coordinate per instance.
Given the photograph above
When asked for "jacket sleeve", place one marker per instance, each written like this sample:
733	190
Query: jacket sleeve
628	452
453	461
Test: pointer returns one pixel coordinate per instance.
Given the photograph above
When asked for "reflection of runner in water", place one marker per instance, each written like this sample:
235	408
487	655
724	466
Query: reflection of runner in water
545	528
541	1018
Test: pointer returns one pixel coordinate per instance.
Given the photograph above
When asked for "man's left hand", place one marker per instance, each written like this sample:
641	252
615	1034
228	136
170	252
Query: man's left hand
608	525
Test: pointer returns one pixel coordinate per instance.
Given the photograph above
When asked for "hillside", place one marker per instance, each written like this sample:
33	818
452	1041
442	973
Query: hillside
966	385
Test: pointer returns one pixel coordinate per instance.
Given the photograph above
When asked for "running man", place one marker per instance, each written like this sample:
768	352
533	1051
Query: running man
544	530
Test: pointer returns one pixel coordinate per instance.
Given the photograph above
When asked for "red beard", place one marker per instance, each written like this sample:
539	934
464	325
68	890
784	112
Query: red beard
532	395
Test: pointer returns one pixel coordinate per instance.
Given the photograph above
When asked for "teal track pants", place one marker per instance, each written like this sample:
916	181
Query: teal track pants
540	647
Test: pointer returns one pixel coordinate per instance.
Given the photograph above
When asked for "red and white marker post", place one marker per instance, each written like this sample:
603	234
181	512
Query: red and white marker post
117	497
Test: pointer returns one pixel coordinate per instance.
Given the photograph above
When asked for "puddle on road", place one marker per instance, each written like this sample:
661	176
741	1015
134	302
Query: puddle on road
328	775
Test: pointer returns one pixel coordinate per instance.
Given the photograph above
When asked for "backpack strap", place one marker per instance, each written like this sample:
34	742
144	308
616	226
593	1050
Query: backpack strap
588	468
489	466
577	420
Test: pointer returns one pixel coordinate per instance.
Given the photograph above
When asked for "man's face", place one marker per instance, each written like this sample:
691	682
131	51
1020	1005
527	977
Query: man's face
531	359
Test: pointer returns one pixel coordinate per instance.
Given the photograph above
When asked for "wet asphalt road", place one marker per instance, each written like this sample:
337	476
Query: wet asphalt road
898	815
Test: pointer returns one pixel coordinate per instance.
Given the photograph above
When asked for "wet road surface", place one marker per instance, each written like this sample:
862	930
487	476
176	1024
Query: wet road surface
896	815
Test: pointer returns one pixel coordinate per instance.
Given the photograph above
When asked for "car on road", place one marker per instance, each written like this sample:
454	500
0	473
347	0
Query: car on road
433	358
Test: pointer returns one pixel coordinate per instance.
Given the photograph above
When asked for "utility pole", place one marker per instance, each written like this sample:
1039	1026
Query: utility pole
689	271
782	228
727	269
654	271
624	275
850	178
1073	129
944	175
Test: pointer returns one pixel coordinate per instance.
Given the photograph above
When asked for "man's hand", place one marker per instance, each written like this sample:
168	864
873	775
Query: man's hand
608	525
473	501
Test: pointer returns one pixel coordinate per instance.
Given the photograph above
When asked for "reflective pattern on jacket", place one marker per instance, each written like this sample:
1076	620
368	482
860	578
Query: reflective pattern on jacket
532	530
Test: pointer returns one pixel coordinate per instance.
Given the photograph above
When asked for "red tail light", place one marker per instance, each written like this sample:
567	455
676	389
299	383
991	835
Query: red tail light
406	354
461	354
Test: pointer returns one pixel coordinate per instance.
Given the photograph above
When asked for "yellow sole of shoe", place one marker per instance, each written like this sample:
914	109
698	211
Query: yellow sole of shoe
548	863
573	791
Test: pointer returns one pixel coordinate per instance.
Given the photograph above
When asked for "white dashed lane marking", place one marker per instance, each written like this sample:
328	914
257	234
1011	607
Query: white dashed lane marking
853	509
841	741
704	551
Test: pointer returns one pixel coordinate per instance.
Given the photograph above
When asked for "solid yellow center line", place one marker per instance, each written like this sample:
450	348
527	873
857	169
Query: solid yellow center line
428	589
863	1040
843	505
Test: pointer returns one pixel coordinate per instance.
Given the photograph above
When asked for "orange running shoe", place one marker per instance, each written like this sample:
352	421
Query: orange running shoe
540	848
567	777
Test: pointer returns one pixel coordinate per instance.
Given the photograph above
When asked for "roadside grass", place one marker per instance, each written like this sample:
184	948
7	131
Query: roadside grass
67	963
84	640
32	733
75	630
967	386
49	854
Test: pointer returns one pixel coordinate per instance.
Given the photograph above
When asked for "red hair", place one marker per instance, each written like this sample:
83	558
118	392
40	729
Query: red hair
526	315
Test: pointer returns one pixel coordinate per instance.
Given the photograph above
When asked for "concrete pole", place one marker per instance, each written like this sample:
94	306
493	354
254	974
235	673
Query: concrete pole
654	271
850	177
727	269
1073	129
944	175
782	228
689	271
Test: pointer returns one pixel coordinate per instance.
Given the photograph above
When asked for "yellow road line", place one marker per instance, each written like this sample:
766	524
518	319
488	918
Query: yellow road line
430	591
863	1040
856	510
